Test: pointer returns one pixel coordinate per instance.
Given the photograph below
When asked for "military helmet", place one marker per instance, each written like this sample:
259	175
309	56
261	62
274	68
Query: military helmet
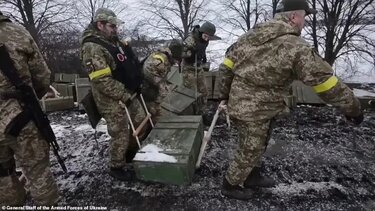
208	28
103	14
291	5
176	48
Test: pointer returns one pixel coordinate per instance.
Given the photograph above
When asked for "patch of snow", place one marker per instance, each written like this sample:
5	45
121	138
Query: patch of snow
84	127
60	130
151	152
363	93
101	128
301	188
82	151
82	116
152	147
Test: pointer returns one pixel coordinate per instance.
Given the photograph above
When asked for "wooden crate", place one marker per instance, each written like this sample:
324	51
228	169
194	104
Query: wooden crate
209	80
65	77
57	104
169	153
305	94
174	76
82	87
182	101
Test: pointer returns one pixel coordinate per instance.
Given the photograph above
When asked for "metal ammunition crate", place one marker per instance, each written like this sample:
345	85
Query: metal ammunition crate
169	153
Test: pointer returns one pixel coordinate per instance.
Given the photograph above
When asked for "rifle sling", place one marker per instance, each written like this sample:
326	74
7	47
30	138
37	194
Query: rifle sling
8	69
18	123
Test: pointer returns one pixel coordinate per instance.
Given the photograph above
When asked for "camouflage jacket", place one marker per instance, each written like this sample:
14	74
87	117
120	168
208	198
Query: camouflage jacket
194	46
155	70
260	67
95	57
30	65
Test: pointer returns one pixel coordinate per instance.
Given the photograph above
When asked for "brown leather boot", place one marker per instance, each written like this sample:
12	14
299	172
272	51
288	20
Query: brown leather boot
255	179
236	191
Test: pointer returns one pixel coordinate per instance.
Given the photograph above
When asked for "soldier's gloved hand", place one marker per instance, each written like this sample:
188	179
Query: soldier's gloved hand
356	120
223	105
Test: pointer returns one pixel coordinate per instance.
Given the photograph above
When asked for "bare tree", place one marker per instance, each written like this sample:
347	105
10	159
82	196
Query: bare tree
342	28
142	44
85	9
243	14
61	49
174	17
274	6
37	15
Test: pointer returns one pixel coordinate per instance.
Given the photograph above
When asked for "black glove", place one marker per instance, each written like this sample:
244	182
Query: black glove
356	120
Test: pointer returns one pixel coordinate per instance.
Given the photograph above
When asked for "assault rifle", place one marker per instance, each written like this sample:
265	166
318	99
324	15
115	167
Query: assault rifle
29	101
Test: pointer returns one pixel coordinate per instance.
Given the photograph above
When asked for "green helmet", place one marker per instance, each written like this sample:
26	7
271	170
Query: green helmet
291	5
176	48
208	28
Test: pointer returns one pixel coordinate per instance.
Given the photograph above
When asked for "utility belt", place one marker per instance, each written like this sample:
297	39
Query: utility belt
7	168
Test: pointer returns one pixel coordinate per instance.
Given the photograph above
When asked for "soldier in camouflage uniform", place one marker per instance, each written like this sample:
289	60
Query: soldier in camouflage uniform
155	71
115	74
29	148
259	68
194	55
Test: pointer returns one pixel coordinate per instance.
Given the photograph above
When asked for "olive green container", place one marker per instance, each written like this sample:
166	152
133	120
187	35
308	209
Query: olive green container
182	101
175	143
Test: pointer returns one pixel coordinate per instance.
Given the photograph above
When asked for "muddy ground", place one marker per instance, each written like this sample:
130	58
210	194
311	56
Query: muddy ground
319	161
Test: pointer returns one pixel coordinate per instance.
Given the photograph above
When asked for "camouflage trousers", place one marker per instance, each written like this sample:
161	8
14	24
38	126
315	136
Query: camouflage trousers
32	154
118	127
253	140
194	83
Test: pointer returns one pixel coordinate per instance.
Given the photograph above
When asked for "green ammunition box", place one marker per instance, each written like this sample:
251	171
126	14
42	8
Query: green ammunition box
57	104
182	101
169	153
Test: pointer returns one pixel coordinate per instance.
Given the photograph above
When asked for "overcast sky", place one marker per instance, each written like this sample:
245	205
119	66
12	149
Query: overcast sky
216	49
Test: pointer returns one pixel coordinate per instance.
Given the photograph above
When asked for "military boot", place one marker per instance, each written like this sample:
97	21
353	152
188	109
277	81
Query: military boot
255	179
121	174
236	191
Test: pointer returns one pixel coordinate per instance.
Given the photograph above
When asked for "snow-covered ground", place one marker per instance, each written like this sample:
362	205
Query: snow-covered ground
319	161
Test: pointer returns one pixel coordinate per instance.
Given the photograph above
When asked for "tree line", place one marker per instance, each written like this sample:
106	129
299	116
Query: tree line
341	30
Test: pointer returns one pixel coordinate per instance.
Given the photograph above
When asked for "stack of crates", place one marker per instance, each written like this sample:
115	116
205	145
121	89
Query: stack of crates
64	84
82	88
